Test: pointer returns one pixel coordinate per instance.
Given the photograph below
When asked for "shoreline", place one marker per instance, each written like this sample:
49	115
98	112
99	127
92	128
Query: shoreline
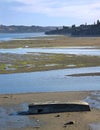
12	103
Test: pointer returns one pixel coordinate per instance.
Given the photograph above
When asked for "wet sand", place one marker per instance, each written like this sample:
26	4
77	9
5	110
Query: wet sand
11	104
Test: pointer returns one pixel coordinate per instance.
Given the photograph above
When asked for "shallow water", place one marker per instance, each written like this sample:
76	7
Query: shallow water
9	118
50	81
73	50
95	126
94	100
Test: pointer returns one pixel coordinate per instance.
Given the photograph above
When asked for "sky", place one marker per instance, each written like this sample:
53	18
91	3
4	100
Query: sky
49	12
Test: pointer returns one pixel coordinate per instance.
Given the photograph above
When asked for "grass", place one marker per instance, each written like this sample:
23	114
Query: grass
56	41
2	67
39	62
31	62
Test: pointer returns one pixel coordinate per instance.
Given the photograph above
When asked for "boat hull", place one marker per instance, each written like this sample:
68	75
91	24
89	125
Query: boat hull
58	107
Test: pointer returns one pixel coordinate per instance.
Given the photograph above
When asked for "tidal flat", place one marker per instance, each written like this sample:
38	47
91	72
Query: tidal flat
30	62
11	104
52	41
16	63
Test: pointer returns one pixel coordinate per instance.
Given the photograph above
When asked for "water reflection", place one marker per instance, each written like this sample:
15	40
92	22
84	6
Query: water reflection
50	81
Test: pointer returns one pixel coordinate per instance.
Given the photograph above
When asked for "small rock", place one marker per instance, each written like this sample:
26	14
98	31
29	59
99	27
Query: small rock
5	97
57	115
69	123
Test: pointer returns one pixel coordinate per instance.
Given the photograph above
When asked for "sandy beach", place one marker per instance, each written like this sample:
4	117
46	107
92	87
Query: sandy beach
12	104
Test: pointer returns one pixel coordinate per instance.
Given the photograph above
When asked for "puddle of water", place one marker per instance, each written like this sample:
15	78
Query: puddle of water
71	65
51	64
95	126
9	67
94	100
9	118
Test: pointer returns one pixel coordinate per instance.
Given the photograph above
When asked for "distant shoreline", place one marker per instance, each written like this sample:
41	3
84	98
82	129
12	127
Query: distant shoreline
6	37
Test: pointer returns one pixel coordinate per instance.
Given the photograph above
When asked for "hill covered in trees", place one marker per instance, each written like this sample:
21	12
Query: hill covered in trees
82	30
24	29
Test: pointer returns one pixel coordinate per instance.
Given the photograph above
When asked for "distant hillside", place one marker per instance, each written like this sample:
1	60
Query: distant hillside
24	29
82	30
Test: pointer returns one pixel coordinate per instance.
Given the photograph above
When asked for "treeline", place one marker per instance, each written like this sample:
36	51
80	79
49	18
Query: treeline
24	29
82	30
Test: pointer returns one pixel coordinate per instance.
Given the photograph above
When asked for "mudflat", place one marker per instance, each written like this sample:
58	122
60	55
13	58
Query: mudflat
52	41
16	63
12	104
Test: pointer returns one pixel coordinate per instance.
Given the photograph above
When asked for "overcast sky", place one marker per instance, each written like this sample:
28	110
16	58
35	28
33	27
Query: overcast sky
49	12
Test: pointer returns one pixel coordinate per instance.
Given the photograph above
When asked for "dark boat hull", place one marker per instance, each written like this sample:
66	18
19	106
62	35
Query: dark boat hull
58	107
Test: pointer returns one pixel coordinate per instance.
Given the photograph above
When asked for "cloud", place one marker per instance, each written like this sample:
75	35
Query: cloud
60	8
